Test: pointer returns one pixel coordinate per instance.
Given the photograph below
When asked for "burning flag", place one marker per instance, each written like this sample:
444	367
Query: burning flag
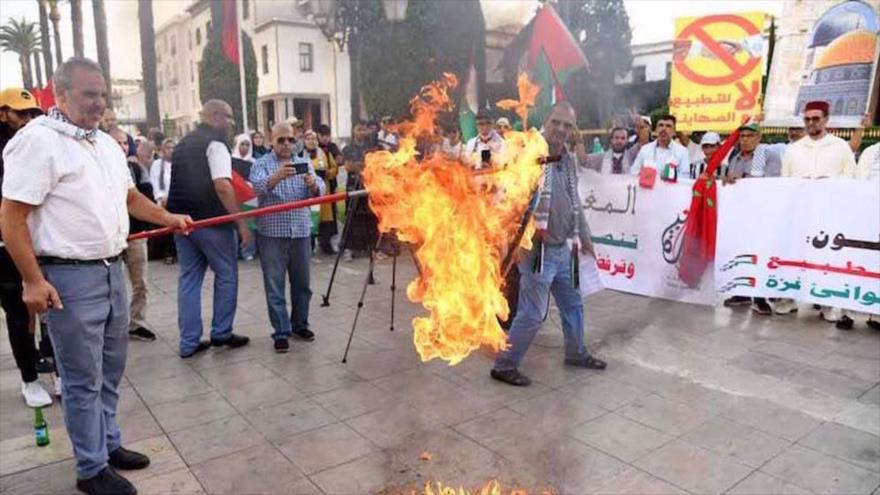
460	228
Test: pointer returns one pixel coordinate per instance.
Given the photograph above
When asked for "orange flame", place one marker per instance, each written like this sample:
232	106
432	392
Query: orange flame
459	227
493	487
528	92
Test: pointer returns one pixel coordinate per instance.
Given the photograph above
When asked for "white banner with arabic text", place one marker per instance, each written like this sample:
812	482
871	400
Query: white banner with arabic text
815	241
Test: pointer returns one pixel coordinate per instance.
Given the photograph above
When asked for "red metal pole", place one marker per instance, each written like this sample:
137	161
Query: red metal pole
232	217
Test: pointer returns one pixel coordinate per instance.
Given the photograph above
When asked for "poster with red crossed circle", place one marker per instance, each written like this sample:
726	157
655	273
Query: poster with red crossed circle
717	64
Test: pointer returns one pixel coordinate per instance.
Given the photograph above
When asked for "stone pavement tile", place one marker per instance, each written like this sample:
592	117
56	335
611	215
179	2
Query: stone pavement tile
215	439
763	364
547	367
147	351
820	473
172	389
644	378
372	365
865	417
314	380
665	415
222	356
473	376
831	383
354	400
369	474
179	482
604	392
20	453
236	374
736	441
128	400
692	468
496	427
855	446
791	352
771	418
620	437
871	396
137	424
300	357
163	458
708	399
556	411
867	350
632	481
57	478
259	469
281	422
391	426
454	458
867	369
156	368
325	447
191	411
260	394
759	483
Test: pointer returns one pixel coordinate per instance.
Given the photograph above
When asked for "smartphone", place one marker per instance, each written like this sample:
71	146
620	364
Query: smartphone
486	155
301	167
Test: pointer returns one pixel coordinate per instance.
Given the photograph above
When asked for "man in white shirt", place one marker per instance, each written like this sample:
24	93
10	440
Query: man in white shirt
387	138
67	193
485	148
819	155
160	172
869	164
618	159
695	150
663	151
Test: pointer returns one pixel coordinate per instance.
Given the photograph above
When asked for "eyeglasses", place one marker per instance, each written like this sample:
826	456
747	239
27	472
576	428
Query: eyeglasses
285	140
807	120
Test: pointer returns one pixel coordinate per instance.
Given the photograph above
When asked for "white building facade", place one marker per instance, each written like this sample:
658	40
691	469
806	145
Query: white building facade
300	72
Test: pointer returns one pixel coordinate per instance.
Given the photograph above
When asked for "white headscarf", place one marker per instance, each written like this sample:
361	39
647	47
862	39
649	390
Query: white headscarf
242	138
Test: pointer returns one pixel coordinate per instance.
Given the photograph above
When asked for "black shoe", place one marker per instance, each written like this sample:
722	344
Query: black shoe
107	482
123	458
44	365
587	362
304	334
203	346
736	301
141	333
844	323
873	324
232	341
282	346
511	377
761	306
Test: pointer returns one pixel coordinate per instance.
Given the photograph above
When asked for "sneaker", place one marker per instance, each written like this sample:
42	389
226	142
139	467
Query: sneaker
785	307
831	315
44	365
761	307
844	323
123	458
511	377
35	395
737	301
304	334
232	341
873	324
57	386
106	482
141	333
282	346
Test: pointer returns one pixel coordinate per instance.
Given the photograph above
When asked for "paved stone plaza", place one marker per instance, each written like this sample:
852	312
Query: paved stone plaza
695	400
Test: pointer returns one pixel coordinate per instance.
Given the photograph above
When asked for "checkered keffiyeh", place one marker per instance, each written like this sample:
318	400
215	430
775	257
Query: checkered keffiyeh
87	134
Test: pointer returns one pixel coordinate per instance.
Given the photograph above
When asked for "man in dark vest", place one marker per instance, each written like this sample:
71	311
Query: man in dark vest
201	186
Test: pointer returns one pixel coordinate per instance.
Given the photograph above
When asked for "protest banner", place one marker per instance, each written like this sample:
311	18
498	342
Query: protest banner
825	50
815	241
637	235
717	64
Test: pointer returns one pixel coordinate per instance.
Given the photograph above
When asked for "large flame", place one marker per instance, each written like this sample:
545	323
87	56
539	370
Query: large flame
493	487
459	226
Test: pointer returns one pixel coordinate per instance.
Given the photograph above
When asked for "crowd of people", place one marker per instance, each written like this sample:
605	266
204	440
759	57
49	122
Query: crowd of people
75	185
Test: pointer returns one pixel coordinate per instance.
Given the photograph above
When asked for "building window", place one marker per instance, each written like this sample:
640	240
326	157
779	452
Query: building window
639	74
173	46
264	56
306	57
245	9
198	37
668	70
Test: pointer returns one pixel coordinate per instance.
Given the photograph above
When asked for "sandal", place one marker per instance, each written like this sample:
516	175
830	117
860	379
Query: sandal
511	377
587	362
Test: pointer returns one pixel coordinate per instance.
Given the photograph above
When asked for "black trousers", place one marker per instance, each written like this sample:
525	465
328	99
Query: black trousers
23	349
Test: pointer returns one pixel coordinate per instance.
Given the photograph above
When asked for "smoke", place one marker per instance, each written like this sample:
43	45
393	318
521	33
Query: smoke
508	12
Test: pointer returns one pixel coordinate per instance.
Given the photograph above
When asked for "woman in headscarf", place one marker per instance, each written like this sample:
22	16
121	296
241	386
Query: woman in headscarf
325	167
242	159
258	144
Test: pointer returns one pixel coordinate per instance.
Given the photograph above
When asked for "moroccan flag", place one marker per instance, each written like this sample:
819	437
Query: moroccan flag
224	15
467	118
45	96
698	245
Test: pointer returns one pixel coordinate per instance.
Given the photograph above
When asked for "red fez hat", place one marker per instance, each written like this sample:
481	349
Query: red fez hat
818	105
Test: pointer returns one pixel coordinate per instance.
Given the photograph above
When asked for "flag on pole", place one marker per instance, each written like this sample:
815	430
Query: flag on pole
467	114
230	31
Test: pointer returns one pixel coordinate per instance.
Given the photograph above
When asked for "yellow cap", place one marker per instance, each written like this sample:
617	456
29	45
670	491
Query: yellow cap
18	99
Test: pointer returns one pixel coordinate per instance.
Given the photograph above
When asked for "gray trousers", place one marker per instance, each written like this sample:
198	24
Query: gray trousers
90	336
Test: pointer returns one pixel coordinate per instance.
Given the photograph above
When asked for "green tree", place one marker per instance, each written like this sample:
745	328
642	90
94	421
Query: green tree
22	38
603	31
219	78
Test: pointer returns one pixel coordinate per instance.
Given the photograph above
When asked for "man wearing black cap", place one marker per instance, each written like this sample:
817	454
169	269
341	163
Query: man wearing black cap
480	149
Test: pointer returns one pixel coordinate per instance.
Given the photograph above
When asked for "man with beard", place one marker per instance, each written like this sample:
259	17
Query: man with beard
562	230
663	151
617	160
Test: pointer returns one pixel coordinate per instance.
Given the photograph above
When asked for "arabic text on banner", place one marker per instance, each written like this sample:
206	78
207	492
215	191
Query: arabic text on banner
637	235
717	63
815	241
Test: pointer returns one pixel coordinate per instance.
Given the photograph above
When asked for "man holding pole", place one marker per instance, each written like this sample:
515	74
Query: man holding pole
201	187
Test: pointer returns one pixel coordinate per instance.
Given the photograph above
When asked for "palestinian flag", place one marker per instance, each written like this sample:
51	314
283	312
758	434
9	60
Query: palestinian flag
467	114
224	16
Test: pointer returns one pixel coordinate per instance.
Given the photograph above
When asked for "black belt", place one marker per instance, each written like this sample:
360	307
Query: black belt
52	260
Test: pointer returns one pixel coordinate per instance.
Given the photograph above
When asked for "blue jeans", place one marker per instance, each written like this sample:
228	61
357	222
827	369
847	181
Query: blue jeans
534	296
283	258
90	336
215	247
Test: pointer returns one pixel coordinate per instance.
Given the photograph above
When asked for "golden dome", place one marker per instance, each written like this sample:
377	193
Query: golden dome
854	47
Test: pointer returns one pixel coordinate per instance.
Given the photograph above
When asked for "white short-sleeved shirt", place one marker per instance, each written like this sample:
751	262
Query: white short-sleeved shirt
80	189
652	155
219	161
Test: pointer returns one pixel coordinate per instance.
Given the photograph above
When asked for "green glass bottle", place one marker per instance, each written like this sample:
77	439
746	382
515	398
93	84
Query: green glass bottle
41	429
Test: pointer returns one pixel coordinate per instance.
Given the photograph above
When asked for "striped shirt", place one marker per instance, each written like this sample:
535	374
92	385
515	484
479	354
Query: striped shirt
290	224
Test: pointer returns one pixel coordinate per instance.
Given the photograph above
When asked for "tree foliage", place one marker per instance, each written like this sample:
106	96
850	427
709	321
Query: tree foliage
22	38
219	78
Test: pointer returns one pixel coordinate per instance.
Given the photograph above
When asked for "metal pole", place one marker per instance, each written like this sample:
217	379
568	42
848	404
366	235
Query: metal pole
241	74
